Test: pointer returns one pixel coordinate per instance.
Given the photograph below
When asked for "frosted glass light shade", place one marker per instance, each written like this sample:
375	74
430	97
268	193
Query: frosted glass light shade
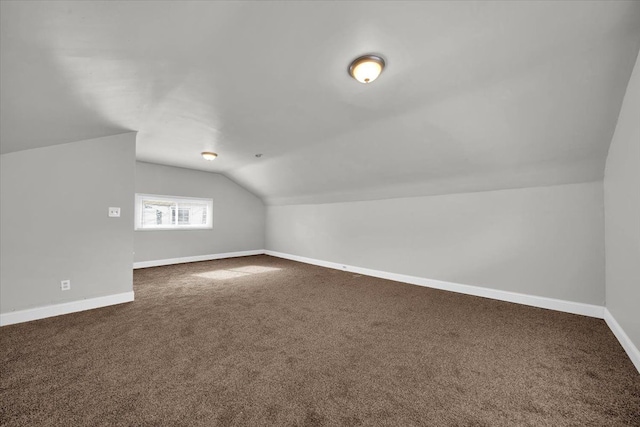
366	68
208	155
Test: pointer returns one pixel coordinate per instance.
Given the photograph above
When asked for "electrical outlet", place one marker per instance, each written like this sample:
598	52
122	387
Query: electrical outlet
114	212
65	285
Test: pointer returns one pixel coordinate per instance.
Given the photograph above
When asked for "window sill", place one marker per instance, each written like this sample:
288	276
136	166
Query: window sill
175	229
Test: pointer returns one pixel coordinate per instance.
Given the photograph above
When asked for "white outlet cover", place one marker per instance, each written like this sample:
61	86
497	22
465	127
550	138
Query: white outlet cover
65	285
114	212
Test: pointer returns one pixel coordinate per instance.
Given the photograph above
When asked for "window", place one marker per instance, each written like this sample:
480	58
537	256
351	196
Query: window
155	212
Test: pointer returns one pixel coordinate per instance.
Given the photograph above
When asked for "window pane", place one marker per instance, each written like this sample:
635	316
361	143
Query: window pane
158	213
192	213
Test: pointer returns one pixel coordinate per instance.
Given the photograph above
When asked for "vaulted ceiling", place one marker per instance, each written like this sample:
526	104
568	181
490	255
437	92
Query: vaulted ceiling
475	96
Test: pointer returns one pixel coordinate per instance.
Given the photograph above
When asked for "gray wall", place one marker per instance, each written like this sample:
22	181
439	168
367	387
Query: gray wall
54	222
545	241
622	214
238	215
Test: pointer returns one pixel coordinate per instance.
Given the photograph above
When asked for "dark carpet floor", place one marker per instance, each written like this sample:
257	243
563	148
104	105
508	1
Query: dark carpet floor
265	341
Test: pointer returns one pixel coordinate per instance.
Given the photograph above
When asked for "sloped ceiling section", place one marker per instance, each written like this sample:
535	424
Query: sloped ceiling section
476	95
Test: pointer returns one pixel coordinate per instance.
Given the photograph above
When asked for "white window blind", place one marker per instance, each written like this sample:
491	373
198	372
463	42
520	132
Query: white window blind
155	212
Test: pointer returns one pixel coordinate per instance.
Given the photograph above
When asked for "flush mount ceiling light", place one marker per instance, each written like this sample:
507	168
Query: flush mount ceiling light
209	155
367	68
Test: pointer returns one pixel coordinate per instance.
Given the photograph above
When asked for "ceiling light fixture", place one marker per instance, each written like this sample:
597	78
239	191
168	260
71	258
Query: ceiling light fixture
367	68
209	155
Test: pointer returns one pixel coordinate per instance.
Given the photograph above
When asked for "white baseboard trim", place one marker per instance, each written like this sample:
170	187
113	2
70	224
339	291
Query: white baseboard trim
531	300
64	308
171	261
625	341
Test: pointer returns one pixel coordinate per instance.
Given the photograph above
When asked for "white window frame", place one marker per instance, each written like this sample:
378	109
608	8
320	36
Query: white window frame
139	212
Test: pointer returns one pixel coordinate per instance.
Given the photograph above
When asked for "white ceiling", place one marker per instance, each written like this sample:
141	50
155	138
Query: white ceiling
475	96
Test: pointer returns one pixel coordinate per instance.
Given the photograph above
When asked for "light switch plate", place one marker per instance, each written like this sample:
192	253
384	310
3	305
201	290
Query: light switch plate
65	285
114	212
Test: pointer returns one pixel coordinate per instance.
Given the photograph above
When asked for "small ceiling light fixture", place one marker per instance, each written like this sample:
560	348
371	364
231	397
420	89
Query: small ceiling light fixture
209	155
367	68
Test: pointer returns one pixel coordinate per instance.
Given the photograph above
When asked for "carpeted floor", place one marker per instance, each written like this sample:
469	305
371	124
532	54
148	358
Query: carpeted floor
265	341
